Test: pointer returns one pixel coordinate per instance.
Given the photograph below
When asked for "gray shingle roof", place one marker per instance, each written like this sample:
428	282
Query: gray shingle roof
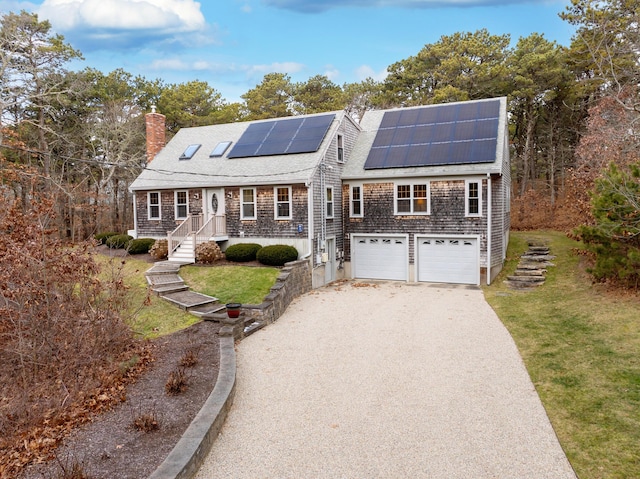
167	171
354	169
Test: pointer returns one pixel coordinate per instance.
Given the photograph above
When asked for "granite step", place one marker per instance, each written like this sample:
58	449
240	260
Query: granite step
188	300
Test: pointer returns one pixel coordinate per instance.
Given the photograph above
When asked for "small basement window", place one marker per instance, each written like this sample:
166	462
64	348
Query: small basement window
220	149
189	152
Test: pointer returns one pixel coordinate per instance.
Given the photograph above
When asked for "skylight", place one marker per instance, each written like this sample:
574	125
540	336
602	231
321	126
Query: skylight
220	149
189	152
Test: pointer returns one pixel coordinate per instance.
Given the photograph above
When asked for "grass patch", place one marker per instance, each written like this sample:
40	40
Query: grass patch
580	344
148	315
231	284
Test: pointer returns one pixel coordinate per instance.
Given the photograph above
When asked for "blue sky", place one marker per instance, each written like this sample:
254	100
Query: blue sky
232	44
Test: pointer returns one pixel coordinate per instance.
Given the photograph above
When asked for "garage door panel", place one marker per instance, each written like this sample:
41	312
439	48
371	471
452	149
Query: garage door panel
380	257
448	260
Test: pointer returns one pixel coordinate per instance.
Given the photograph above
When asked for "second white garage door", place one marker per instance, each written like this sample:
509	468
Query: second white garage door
380	257
448	260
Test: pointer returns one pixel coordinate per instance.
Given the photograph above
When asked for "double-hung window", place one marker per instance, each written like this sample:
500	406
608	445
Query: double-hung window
282	196
248	204
473	198
356	210
340	141
182	204
153	205
412	199
329	202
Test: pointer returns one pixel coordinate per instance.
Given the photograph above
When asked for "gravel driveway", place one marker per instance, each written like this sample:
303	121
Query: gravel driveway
385	380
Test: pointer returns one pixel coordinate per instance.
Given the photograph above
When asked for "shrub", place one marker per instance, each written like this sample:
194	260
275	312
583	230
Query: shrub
101	238
177	382
277	254
208	252
140	245
118	241
147	422
242	252
160	249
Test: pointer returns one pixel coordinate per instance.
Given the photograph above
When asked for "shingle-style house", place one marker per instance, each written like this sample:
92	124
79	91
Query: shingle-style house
412	194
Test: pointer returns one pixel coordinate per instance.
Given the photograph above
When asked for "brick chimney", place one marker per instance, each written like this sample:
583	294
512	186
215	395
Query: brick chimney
156	139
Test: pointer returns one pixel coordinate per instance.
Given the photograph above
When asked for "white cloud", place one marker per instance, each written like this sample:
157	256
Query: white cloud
283	67
332	73
365	71
167	16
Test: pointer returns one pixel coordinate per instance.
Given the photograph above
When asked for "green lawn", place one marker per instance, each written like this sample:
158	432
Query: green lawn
581	345
150	316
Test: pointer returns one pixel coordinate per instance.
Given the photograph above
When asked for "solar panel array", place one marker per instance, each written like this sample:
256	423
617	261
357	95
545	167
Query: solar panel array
282	137
448	134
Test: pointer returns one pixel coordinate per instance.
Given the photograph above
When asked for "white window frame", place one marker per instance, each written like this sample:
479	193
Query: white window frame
177	205
340	148
352	214
468	198
149	205
243	203
330	193
277	202
412	198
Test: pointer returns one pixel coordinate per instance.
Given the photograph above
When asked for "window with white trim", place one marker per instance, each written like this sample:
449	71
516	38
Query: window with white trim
247	203
412	199
473	198
282	196
356	209
329	202
153	205
181	201
340	142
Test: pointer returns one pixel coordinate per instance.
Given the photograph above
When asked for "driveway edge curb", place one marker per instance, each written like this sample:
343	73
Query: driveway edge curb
187	456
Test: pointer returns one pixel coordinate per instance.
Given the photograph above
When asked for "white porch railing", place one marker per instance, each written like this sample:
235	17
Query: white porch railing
193	227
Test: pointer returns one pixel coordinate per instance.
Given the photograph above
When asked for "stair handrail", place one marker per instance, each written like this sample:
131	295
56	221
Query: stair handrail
183	230
214	226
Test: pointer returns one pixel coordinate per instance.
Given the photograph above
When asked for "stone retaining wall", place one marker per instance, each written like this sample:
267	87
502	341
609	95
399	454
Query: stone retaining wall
294	280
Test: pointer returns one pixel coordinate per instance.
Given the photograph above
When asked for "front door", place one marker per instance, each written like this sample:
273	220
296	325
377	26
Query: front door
330	265
214	202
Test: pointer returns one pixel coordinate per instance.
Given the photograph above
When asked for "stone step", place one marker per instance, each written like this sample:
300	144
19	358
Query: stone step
529	272
526	279
164	267
169	288
522	285
163	278
187	300
207	310
254	326
539	258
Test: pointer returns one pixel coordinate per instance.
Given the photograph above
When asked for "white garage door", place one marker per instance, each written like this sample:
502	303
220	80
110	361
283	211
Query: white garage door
448	260
380	257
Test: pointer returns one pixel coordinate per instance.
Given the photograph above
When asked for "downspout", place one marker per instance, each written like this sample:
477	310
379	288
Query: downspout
135	214
489	228
310	231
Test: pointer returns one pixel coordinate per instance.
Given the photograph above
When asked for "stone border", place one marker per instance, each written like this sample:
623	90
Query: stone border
188	454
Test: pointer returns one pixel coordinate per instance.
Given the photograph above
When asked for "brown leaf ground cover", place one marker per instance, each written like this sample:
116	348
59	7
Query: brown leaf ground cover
112	445
134	425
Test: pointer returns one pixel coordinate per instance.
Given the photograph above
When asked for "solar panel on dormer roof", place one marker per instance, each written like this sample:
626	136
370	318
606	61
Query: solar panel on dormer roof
282	137
448	134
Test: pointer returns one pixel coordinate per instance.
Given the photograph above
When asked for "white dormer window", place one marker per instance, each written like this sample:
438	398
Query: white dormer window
189	152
